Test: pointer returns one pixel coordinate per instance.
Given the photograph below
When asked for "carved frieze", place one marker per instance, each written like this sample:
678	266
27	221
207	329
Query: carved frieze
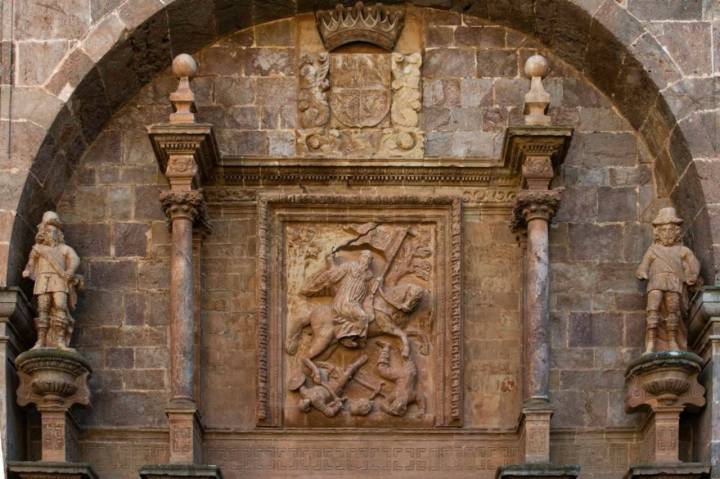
359	312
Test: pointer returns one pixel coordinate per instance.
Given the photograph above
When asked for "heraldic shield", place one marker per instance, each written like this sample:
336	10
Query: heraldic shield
360	95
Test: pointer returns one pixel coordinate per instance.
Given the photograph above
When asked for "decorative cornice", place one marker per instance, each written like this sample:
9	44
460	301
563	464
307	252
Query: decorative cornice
533	204
377	24
364	175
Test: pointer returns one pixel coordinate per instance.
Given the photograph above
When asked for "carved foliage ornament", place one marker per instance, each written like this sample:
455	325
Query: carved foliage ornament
378	24
313	107
190	204
535	203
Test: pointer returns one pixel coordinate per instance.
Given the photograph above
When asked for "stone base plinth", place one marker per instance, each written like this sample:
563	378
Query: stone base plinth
684	470
537	471
180	471
50	470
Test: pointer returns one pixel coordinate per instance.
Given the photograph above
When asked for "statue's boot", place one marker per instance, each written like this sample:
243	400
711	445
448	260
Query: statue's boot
672	327
41	338
653	318
59	325
41	325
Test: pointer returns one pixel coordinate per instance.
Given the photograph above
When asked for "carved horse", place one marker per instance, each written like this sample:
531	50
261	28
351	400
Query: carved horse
392	311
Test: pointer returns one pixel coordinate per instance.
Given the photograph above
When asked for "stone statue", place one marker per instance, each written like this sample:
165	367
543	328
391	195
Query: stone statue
405	377
324	391
352	311
670	269
52	265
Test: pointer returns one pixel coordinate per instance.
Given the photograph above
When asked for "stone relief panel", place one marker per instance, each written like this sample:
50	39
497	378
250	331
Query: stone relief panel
359	104
359	312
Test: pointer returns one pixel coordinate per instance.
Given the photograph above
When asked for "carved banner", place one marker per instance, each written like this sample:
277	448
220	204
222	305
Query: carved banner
359	311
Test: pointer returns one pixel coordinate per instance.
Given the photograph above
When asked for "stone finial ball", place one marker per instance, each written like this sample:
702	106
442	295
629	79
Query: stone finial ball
536	66
184	65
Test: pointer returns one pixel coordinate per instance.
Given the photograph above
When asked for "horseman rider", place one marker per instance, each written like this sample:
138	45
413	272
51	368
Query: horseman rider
352	303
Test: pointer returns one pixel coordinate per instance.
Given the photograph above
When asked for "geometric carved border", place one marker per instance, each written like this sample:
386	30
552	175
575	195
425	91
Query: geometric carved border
269	404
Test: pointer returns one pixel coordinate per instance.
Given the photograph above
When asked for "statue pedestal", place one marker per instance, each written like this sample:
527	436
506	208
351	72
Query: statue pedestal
666	382
180	471
687	470
47	470
54	380
537	471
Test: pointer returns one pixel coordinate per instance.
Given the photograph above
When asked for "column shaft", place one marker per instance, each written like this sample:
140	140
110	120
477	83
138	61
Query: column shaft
182	305
536	315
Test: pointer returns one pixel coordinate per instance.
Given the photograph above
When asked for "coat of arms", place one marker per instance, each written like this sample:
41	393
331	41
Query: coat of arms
360	104
360	95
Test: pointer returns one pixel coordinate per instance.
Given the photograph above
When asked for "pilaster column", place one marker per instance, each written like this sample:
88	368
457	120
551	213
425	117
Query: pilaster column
534	210
186	151
537	150
184	209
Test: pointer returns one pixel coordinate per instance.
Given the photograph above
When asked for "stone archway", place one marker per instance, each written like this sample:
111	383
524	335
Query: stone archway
138	39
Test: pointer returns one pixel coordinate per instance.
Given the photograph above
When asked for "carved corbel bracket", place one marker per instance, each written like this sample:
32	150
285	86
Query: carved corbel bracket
185	153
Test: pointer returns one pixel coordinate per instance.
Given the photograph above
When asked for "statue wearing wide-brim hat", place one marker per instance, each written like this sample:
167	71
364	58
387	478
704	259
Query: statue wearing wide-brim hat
667	216
53	266
670	269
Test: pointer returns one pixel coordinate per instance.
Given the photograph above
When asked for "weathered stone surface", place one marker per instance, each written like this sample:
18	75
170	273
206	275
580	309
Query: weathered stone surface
457	63
693	55
275	34
595	329
36	61
497	63
35	19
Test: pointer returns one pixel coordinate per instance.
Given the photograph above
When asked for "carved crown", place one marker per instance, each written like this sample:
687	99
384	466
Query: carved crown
377	24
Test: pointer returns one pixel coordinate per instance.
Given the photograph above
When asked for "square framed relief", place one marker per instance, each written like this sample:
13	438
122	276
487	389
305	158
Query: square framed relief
359	311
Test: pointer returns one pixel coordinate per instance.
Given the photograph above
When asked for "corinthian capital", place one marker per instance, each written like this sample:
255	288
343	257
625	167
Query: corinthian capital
534	204
188	204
